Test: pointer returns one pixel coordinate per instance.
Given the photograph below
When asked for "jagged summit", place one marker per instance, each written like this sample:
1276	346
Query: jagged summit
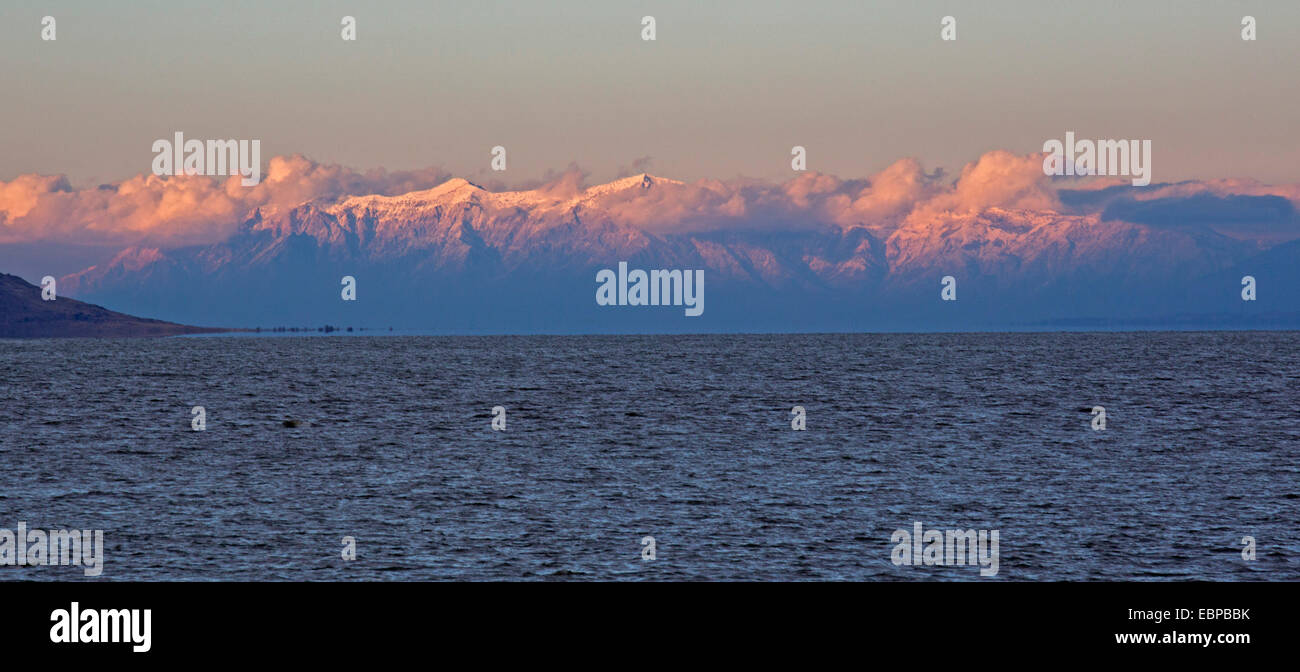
458	191
642	181
453	186
453	190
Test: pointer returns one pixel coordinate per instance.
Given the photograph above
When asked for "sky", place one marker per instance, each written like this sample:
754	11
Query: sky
725	90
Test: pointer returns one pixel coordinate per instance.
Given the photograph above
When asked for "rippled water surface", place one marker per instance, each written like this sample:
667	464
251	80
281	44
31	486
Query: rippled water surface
684	438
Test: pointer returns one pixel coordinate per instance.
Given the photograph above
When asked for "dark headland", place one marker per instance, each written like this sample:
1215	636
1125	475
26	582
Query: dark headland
23	314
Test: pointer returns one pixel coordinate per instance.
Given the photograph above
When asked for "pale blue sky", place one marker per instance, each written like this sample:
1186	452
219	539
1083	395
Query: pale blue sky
726	89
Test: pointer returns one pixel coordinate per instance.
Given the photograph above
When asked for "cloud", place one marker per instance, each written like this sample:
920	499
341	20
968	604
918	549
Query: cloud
639	165
1266	218
182	209
893	193
997	180
882	202
295	179
1222	188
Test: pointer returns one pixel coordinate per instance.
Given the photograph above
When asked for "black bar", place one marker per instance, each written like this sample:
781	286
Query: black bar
929	623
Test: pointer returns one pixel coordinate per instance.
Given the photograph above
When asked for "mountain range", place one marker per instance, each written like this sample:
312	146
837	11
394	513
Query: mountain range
460	258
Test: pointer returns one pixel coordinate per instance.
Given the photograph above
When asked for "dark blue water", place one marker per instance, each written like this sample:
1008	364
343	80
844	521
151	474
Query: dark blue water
683	438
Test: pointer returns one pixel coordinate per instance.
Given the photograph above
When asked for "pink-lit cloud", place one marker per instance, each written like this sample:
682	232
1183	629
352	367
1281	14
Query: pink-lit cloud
180	210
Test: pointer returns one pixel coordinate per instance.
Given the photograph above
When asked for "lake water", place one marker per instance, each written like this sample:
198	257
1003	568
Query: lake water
687	439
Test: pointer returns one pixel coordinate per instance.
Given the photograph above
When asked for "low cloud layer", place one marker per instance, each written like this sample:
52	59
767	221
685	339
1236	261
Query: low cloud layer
180	210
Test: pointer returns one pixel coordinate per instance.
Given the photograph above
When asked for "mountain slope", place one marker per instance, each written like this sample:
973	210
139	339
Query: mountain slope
23	314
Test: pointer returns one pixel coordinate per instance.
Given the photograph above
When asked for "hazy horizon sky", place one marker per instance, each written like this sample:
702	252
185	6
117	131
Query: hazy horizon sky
725	90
